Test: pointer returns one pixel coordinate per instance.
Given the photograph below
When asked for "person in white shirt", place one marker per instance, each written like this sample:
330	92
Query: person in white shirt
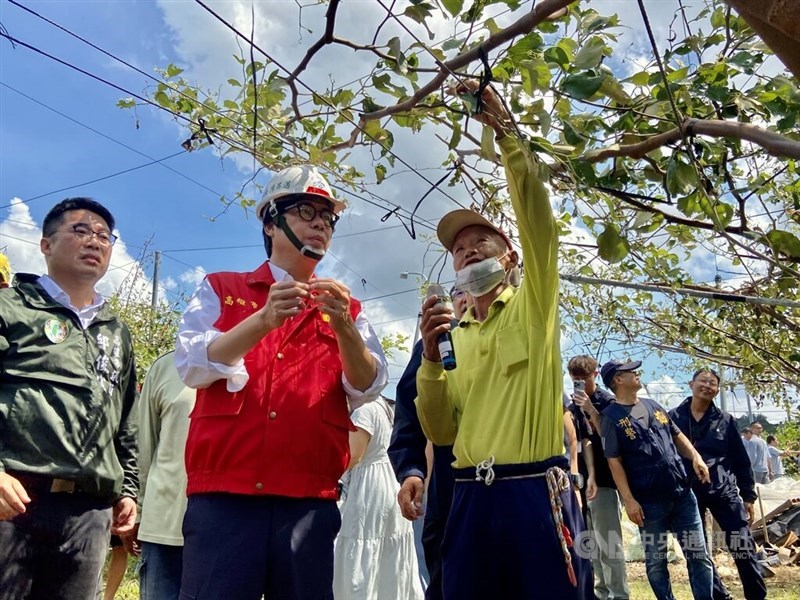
164	407
776	456
761	464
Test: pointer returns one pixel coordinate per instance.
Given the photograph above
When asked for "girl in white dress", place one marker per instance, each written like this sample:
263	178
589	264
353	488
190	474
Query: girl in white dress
374	557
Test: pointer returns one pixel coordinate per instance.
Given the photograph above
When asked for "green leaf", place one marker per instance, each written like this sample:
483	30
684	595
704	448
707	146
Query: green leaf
491	26
487	144
557	55
452	44
455	139
611	246
681	177
525	48
171	71
162	99
614	90
369	105
535	75
590	54
545	121
453	6
719	212
380	173
784	242
640	78
642	219
372	128
583	85
571	135
419	12
691	204
126	103
234	83
718	18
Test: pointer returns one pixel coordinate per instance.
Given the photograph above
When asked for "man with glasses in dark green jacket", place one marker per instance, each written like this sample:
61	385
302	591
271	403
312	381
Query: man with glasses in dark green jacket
67	427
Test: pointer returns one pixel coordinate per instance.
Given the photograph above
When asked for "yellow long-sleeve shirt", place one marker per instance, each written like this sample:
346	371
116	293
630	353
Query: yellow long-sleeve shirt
504	398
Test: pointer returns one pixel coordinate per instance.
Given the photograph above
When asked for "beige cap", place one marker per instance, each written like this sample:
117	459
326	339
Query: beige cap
453	222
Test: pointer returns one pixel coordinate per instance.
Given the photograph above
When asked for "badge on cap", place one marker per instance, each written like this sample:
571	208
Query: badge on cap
55	330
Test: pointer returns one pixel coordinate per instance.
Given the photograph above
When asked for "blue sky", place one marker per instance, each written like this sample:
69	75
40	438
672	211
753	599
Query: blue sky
172	211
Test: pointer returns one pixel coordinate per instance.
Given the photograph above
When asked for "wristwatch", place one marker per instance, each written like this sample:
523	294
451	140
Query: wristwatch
577	480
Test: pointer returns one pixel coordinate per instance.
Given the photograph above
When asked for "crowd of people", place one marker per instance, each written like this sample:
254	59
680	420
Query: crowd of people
224	478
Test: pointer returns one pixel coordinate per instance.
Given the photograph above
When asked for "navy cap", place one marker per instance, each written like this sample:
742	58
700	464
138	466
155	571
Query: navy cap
613	367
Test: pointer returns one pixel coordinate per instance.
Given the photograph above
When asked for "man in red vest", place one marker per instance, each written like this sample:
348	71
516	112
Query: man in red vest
274	354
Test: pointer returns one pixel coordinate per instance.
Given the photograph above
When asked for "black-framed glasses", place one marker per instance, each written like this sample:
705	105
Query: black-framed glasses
308	212
84	233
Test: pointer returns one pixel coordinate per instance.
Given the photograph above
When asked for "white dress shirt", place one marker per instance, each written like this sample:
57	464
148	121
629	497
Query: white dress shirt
196	332
86	314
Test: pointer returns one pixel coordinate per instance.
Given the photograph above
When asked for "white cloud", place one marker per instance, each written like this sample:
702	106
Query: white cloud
664	390
193	277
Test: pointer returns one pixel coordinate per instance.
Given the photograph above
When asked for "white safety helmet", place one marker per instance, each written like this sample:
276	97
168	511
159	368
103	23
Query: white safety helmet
303	179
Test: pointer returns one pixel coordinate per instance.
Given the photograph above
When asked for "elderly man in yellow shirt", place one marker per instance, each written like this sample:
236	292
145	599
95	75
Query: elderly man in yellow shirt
514	516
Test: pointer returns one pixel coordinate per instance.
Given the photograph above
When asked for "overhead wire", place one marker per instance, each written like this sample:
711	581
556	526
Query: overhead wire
14	40
105	177
134	67
227	139
106	136
102	80
342	113
362	278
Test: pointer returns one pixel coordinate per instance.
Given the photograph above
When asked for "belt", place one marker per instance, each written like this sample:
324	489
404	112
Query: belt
488	471
45	484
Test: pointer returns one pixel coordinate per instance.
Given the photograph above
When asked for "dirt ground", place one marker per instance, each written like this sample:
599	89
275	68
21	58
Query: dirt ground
785	583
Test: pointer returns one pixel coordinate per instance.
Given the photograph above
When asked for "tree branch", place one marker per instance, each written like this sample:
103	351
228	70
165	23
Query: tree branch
670	218
773	143
324	40
522	26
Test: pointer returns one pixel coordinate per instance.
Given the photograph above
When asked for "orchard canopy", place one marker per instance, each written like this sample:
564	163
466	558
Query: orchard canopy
673	163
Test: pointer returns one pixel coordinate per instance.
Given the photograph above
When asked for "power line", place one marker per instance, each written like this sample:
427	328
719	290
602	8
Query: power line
118	173
363	279
247	246
389	295
394	321
182	117
228	140
126	63
713	295
330	105
108	137
177	115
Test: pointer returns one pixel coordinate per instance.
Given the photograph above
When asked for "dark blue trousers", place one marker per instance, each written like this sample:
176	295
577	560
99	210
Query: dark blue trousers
55	550
243	547
501	541
432	535
730	514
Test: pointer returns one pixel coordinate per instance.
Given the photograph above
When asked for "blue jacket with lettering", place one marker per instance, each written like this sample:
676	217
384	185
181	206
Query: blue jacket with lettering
652	464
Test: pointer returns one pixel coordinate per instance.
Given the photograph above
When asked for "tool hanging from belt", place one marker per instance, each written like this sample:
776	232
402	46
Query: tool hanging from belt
557	481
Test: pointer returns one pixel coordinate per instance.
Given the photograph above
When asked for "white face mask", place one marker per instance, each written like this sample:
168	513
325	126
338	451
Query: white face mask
480	278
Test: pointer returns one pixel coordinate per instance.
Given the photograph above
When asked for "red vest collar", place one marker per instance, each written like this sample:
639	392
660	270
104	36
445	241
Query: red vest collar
262	274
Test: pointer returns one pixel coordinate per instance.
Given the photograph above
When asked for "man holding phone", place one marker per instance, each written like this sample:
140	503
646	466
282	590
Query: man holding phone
603	509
